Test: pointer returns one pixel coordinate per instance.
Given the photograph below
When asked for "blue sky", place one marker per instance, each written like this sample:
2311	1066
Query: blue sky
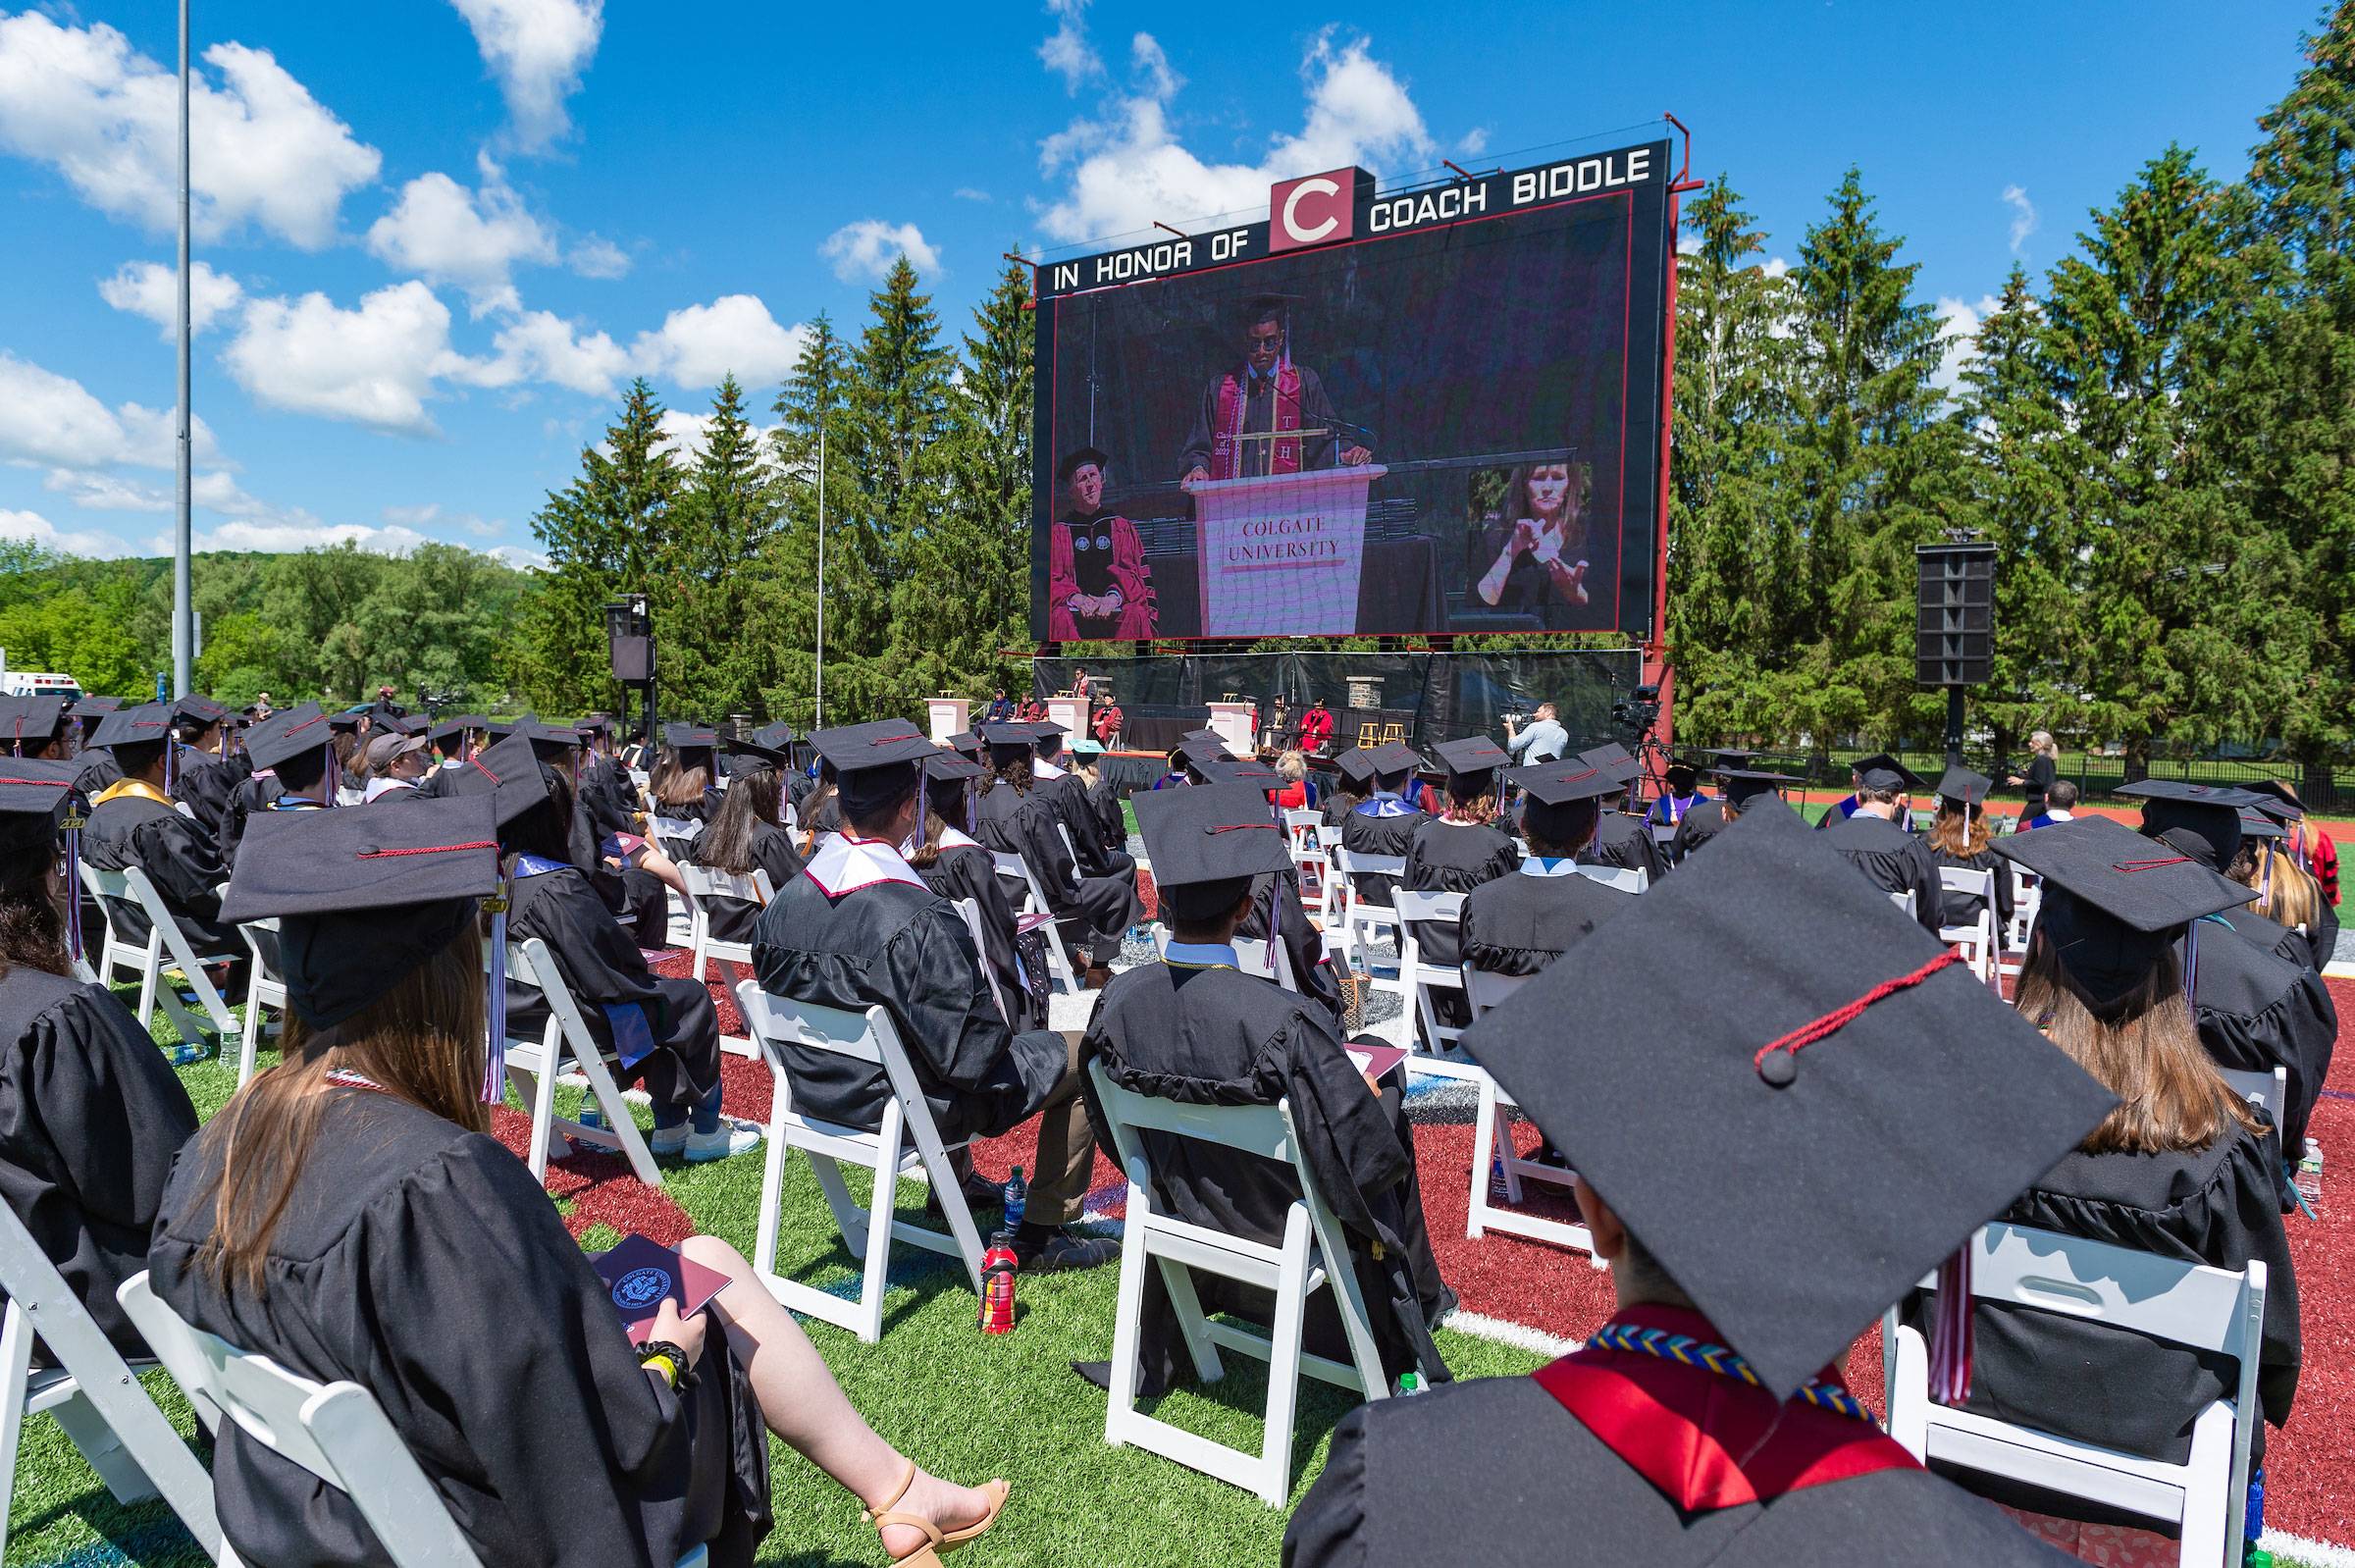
435	238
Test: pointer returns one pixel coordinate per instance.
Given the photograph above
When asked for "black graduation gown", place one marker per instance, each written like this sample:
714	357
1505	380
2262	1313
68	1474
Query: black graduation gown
1095	857
423	1263
679	849
1892	861
904	948
1380	824
179	857
99	769
1008	822
2274	937
1625	842
205	784
2219	1205
733	920
253	794
1495	1471
1339	803
1518	924
1961	909
2256	1012
1217	1036
1702	821
1303	943
90	1117
602	964
1452	858
1112	827
965	871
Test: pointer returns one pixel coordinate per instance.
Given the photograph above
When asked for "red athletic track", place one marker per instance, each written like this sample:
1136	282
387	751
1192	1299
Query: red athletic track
2310	1485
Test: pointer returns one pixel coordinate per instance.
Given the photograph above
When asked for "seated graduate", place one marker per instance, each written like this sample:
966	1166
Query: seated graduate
33	727
1103	797
1770	1148
1356	782
1957	837
1383	823
746	834
1455	853
2059	805
2308	844
91	1113
1621	840
633	877
1892	858
204	772
350	1216
97	765
1706	819
132	823
1096	856
395	764
2285	893
1845	805
1017	815
2184	1168
1738	788
859	928
1277	913
454	741
1518	924
1199	1028
292	754
954	866
663	1030
1683	792
820	809
345	777
2255	1008
679	788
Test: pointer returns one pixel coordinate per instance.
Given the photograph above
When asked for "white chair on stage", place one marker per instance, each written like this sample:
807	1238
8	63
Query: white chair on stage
1419	980
90	1389
2218	1311
702	883
262	989
165	939
336	1430
906	1143
566	1044
1035	912
1313	1255
1492	1147
1977	938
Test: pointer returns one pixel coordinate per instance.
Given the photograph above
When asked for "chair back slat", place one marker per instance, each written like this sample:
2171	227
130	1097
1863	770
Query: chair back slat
1252	1128
1484	988
1626	878
783	1021
1439	908
1961	879
2182	1303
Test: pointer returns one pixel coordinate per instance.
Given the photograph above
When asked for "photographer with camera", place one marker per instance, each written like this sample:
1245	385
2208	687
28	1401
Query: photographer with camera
1545	740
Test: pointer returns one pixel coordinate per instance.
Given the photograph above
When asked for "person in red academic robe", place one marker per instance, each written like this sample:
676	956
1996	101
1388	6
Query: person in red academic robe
1247	410
1098	585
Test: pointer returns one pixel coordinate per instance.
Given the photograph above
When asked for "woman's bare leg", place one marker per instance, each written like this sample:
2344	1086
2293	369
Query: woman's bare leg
801	1403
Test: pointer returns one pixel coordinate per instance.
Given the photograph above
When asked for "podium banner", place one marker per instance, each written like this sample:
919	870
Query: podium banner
1281	555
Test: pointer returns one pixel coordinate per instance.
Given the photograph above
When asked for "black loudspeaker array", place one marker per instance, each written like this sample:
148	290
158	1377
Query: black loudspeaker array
1954	641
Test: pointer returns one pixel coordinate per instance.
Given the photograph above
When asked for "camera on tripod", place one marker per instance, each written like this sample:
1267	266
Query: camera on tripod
1636	715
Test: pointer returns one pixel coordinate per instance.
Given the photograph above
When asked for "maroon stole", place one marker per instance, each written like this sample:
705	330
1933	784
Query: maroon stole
1706	1439
1226	451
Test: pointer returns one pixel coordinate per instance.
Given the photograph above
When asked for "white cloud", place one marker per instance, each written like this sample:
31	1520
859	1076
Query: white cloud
416	517
697	346
470	238
152	289
374	365
1067	51
1959	329
538	50
54	421
34	528
598	257
300	533
867	248
687	433
539	345
517	556
263	151
2023	216
1127	169
969	194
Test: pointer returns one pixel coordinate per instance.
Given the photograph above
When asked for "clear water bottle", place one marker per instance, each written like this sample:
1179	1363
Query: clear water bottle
1018	1200
2309	1178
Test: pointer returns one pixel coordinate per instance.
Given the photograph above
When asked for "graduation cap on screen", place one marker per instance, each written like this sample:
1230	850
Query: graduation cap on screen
2114	900
1074	461
1207	844
1832	1086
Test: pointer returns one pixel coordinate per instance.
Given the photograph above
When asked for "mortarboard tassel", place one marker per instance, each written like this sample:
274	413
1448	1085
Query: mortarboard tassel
2265	889
73	821
495	1048
170	760
330	782
2191	961
1951	1331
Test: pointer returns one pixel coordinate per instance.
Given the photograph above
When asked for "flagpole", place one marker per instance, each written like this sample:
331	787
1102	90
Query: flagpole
819	715
182	621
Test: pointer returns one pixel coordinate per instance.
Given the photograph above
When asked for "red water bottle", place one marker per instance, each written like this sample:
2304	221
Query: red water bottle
998	1267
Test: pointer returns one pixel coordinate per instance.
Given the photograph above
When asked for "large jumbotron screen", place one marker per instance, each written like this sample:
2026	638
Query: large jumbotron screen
1425	411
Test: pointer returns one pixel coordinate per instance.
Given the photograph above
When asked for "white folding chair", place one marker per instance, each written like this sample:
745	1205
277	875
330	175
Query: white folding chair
164	938
1904	901
1331	891
2028	900
2268	1090
1977	938
566	1045
1014	868
1626	878
907	1143
89	1388
1492	1144
1361	921
336	1430
1071	851
1418	980
1308	853
262	989
2220	1311
1312	1254
702	883
1265	959
673	827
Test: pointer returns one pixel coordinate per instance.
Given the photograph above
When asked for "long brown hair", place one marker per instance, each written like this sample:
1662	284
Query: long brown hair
726	844
421	1041
1959	830
677	784
1477	810
32	924
2145	1049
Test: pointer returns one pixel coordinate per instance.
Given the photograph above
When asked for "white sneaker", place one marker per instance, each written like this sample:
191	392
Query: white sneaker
727	1139
667	1140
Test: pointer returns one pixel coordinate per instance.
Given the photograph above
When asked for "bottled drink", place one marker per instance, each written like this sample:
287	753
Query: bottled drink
2309	1178
998	1268
1018	1200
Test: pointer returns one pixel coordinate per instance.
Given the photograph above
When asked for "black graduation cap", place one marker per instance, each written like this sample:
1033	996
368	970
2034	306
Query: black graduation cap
1202	744
1207	844
551	743
288	732
874	765
948	768
1742	783
1613	758
759	751
689	737
30	718
363	898
150	722
1555	790
1394	760
1072	461
1237	770
348	719
595	724
2200	819
1801	1129
1472	760
1962	786
455	726
2280	801
200	707
1354	767
776	737
96	707
33	797
2115	900
968	744
2254	823
1881	771
507	771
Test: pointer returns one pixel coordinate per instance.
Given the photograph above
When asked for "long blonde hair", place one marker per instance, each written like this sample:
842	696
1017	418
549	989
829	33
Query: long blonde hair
2291	897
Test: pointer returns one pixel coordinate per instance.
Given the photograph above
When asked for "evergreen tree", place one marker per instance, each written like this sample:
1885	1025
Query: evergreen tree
785	615
726	514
